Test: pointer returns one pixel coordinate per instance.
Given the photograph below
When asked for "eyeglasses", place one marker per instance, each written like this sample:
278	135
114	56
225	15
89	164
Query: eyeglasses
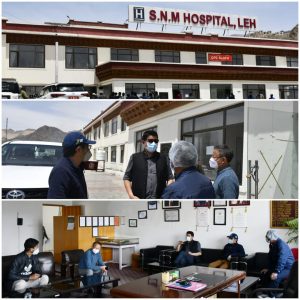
153	140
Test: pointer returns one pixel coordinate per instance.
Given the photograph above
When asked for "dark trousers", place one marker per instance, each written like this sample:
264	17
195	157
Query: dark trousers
184	259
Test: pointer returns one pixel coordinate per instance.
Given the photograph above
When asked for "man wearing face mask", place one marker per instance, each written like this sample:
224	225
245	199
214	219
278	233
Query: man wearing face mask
188	251
25	271
91	261
66	180
226	184
280	261
231	250
148	172
189	182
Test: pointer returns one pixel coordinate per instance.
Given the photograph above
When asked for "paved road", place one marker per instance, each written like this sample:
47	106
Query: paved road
102	185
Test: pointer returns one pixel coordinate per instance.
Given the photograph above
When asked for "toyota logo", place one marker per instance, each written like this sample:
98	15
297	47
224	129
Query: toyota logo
15	194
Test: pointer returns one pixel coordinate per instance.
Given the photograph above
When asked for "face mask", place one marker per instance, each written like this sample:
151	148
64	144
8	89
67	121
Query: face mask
36	251
96	251
151	147
230	241
188	238
87	156
213	163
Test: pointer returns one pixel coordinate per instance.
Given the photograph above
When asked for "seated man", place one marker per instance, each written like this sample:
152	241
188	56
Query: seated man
189	182
25	271
231	249
91	261
188	251
280	262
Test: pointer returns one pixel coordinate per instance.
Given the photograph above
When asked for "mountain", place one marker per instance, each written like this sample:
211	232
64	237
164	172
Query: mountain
284	35
44	133
12	134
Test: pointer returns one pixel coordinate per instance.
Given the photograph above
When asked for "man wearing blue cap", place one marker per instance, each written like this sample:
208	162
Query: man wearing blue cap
66	180
231	250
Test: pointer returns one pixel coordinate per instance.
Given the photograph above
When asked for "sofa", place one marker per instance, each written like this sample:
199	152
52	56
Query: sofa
70	262
47	265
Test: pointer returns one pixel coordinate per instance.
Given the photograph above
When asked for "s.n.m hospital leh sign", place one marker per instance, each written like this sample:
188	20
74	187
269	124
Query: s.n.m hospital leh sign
165	16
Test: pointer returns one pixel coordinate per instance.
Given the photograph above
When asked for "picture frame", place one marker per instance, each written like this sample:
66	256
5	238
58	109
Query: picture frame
111	221
132	222
170	204
239	202
81	221
142	214
152	205
171	215
100	221
106	221
88	221
95	221
218	203
202	203
95	232
219	216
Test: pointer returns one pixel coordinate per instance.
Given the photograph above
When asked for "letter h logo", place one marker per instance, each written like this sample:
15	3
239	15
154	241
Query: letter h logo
138	14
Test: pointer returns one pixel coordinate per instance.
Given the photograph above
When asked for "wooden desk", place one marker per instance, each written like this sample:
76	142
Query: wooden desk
152	286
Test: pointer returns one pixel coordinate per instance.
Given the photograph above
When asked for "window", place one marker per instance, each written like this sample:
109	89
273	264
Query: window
224	126
138	138
138	90
292	62
201	58
95	133
264	60
99	131
32	91
237	59
106	153
167	56
254	91
113	154
123	125
288	91
106	128
122	151
124	54
114	125
26	56
185	91
220	91
81	58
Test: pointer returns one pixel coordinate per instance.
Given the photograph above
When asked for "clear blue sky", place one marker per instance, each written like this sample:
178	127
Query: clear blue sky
274	16
65	115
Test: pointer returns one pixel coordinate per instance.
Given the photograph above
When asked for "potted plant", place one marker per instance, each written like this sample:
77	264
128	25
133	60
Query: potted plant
293	235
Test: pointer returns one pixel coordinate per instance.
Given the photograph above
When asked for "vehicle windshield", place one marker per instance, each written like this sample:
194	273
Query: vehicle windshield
30	155
10	87
70	88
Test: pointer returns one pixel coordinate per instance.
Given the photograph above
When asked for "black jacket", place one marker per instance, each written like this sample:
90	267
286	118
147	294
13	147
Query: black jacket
235	250
23	266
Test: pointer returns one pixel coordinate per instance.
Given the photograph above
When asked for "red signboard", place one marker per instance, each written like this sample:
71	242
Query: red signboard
219	57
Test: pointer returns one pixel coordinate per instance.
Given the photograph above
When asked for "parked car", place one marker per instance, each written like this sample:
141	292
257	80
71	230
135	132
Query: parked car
26	166
10	89
64	91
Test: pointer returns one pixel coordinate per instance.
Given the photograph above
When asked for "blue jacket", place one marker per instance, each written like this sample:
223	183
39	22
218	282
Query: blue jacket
67	181
90	260
235	250
190	184
226	184
280	256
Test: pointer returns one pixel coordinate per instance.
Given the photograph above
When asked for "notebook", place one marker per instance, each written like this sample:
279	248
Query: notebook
194	287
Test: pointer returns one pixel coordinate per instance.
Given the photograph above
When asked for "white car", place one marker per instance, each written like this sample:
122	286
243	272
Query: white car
64	91
26	166
10	89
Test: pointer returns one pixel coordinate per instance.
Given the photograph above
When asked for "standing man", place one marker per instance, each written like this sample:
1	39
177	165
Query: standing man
226	184
148	172
25	271
231	250
66	180
280	262
91	261
189	182
188	251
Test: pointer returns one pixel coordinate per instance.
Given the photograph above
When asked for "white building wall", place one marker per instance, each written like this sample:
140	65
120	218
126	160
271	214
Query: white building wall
187	57
146	56
103	55
249	60
281	61
154	231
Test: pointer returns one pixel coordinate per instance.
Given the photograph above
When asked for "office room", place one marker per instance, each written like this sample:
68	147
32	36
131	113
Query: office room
152	248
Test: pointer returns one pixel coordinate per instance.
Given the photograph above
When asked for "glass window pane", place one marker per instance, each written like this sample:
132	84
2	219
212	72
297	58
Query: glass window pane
209	121
235	115
187	126
13	59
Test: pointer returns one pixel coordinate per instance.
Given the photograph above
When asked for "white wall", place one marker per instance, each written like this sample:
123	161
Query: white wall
154	231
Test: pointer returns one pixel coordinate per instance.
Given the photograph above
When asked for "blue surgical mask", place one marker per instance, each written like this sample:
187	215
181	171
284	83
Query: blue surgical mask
151	147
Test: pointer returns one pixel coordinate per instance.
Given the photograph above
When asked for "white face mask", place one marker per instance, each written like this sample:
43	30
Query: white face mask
96	251
151	147
188	238
230	241
213	163
87	156
36	251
